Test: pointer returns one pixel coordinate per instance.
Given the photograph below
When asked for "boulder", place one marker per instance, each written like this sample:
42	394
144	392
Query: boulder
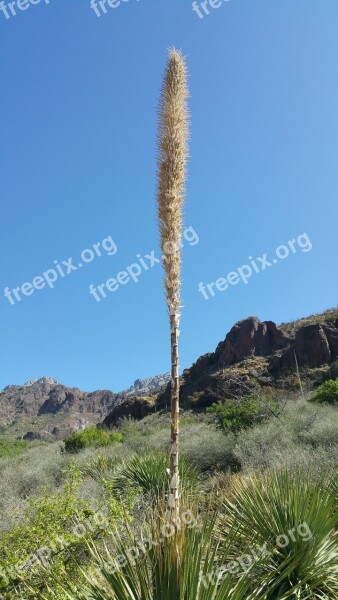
30	436
250	337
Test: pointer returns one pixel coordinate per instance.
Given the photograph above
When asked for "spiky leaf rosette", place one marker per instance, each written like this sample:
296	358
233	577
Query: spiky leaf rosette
173	152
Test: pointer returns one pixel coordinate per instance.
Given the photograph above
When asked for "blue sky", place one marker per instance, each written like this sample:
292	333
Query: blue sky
78	162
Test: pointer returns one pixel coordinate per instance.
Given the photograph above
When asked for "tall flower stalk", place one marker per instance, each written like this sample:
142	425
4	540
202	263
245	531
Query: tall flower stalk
173	152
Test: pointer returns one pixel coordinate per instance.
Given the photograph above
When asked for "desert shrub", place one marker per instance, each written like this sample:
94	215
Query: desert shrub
304	435
53	535
38	467
152	432
206	446
194	400
91	437
333	370
234	414
323	433
9	448
327	393
264	446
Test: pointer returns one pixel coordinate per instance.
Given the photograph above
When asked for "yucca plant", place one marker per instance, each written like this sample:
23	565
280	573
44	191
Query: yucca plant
145	567
292	519
278	528
99	467
173	150
146	472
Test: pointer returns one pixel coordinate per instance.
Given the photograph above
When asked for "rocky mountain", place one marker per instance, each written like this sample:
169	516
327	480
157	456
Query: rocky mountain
45	409
149	386
254	352
44	379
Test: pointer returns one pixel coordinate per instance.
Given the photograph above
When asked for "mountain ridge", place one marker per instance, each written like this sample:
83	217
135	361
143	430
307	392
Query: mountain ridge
45	409
252	350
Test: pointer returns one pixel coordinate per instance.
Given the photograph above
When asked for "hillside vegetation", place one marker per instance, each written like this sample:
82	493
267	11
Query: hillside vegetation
84	517
47	492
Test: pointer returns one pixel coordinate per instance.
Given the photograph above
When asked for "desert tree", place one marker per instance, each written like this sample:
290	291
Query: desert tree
172	161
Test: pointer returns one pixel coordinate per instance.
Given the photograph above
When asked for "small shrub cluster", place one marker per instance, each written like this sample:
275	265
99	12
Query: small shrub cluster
91	437
206	447
304	435
51	542
235	414
327	393
10	448
36	468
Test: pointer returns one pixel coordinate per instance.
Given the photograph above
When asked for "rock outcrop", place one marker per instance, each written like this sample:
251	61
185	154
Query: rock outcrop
250	337
262	351
133	408
313	346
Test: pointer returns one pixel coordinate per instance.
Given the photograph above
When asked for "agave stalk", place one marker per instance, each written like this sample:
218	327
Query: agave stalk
173	151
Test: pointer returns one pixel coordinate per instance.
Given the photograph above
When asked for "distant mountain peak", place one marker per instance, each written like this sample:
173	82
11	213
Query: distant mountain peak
150	385
44	379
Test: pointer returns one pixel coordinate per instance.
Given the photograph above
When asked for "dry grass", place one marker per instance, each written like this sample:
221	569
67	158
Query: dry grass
328	316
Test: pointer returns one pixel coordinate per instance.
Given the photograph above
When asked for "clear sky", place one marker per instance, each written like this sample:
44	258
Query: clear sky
78	159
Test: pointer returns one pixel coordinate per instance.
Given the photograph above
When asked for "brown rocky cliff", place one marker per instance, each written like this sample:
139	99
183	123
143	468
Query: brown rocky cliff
261	350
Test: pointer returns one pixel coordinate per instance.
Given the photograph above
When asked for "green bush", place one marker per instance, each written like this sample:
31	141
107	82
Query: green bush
327	393
50	542
9	448
240	413
91	437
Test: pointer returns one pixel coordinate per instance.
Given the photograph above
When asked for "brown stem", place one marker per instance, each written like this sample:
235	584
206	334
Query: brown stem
175	390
